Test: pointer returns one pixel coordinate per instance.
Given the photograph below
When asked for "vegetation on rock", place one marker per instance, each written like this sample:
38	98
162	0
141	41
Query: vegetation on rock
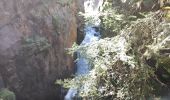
5	94
131	62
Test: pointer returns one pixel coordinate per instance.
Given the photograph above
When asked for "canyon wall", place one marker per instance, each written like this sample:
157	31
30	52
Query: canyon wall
80	20
33	38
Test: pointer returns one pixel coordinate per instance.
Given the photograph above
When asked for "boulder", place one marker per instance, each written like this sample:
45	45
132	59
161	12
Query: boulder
33	38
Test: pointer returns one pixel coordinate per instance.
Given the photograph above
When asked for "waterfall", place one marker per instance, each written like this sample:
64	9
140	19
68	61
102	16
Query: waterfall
91	34
92	10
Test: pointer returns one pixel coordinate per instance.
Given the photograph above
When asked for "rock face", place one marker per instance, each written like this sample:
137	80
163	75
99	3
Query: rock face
80	21
33	38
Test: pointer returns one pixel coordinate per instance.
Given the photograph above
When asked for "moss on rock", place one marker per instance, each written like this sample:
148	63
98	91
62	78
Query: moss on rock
6	94
165	63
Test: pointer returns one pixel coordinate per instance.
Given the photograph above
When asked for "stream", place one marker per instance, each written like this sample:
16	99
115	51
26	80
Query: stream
91	34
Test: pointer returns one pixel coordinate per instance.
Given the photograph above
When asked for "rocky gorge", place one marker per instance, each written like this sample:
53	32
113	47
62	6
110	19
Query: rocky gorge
84	49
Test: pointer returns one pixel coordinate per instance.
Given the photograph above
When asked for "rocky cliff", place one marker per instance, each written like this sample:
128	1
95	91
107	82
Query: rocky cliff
33	38
80	20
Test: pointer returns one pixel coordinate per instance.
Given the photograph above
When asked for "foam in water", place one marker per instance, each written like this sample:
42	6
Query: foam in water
70	94
92	9
82	64
91	34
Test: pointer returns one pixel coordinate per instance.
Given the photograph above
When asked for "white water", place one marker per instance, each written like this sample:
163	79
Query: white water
91	34
82	63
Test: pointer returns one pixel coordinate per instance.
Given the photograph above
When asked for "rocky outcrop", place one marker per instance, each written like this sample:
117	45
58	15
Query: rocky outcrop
33	38
1	82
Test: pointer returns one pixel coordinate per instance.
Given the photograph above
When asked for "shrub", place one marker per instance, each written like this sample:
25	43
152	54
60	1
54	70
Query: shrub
120	69
5	94
34	44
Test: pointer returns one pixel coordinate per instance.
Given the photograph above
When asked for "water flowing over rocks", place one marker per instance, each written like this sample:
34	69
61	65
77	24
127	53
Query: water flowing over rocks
91	9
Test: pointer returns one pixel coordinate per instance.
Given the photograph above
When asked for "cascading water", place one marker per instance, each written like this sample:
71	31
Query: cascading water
91	34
